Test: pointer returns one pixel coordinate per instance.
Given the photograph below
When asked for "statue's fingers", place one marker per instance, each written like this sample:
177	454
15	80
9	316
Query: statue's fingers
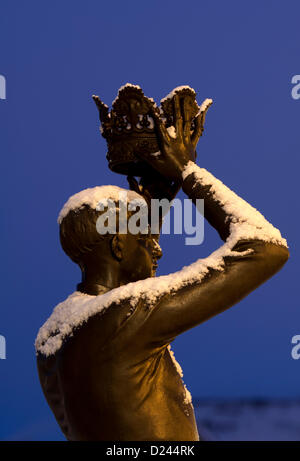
187	120
203	110
160	126
198	129
95	98
178	115
199	121
206	105
97	101
203	114
187	129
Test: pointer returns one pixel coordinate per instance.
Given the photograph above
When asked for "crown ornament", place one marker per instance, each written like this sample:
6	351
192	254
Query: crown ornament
129	127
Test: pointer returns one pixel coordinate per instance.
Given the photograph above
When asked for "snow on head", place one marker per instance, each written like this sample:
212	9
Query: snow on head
94	195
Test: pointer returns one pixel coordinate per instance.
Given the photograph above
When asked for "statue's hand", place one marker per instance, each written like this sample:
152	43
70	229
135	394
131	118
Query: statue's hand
178	146
154	186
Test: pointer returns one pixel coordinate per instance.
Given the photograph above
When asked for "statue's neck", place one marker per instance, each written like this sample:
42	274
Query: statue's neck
93	289
97	280
100	273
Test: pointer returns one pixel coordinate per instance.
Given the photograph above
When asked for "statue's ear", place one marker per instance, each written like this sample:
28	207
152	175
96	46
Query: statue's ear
117	246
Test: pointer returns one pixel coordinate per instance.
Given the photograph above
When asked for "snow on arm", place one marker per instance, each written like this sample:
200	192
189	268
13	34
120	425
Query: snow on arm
245	221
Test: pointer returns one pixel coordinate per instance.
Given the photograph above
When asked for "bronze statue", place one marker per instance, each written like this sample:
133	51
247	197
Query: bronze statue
104	357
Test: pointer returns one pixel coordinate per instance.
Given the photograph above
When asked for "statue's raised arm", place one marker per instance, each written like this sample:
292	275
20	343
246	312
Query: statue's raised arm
253	251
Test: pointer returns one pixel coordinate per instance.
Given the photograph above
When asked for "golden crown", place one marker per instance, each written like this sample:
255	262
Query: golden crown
129	128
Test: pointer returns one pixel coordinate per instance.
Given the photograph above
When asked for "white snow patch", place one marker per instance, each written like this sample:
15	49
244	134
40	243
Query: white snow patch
123	87
176	364
79	307
129	85
246	221
132	86
188	396
172	131
94	195
175	90
206	103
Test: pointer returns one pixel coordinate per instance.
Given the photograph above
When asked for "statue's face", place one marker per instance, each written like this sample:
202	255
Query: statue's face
140	255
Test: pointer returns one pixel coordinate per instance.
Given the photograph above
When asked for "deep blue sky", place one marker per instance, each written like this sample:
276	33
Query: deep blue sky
54	56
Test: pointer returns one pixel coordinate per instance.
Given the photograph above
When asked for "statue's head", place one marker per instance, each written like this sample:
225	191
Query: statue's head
132	255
